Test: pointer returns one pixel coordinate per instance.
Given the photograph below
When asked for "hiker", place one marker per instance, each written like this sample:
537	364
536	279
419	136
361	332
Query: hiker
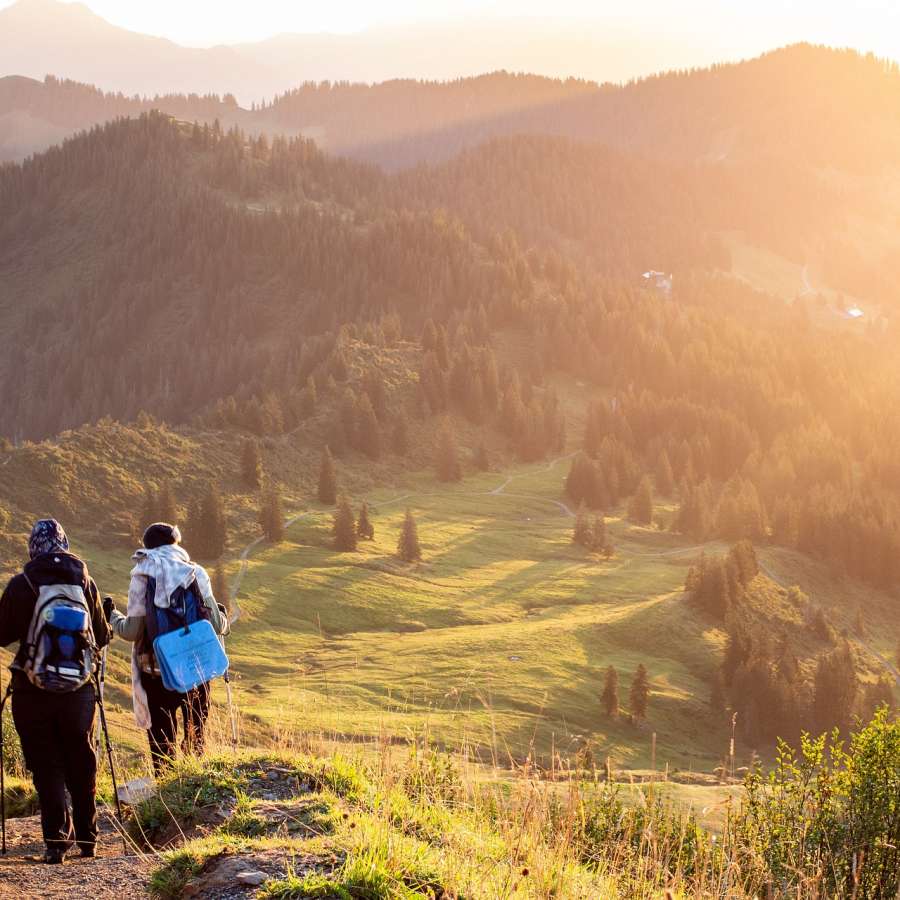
164	584
54	611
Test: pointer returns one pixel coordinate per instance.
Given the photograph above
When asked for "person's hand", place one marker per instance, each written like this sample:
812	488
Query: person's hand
108	608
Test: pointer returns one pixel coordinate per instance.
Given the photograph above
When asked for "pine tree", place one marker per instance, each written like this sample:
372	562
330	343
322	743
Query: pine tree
149	508
207	530
610	695
640	508
344	526
327	490
220	587
481	459
640	693
251	465
368	432
448	467
271	515
834	690
582	534
876	695
600	537
166	508
364	527
665	479
408	548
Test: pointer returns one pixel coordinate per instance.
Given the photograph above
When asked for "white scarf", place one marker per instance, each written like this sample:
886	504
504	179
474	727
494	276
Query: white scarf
172	568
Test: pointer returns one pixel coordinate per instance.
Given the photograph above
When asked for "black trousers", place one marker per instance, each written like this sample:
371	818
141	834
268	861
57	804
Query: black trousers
56	732
164	708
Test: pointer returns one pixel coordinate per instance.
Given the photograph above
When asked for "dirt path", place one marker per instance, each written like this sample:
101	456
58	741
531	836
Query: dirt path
111	876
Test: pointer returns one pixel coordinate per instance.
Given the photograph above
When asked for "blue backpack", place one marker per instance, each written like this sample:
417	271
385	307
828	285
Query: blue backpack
180	644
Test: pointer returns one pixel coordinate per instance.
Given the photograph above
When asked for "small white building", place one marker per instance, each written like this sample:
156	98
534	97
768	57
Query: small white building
855	313
659	281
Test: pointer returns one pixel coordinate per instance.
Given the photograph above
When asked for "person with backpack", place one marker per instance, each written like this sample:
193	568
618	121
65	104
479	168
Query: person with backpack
167	592
52	608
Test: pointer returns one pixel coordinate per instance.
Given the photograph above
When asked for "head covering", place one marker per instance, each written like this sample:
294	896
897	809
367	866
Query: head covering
47	536
161	533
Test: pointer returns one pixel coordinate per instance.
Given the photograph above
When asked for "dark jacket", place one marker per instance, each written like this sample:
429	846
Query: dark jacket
17	602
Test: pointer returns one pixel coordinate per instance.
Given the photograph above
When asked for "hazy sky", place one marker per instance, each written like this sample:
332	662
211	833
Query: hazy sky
732	27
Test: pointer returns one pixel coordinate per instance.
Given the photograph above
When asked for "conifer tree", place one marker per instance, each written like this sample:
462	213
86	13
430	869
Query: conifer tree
368	432
344	526
665	479
448	467
582	533
600	537
835	689
481	458
271	514
207	528
640	508
610	695
640	693
408	548
876	695
166	508
364	527
327	489
251	464
149	508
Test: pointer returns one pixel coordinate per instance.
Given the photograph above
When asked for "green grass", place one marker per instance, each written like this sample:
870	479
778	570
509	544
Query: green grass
498	639
501	634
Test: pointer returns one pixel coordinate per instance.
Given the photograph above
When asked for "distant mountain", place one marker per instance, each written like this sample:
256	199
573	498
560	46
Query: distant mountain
803	106
41	37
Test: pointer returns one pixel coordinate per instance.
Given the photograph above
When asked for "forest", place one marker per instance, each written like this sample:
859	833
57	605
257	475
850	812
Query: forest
265	253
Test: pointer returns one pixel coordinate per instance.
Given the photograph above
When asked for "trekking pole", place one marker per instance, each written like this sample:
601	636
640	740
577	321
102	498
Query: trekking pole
234	736
101	683
3	773
228	694
112	767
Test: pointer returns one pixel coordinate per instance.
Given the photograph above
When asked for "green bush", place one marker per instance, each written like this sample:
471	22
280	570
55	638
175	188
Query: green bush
828	818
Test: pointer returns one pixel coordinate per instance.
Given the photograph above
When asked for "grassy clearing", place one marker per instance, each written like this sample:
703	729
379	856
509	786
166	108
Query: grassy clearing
500	636
495	644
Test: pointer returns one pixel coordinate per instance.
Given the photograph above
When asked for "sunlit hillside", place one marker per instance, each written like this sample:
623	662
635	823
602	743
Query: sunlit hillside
539	436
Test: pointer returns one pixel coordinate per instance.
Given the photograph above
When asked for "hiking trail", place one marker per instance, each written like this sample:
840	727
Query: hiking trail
113	875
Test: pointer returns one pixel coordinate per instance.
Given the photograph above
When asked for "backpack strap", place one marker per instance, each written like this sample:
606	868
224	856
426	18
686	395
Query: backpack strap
35	591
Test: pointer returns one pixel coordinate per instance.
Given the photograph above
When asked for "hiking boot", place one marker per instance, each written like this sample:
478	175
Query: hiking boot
88	851
55	856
